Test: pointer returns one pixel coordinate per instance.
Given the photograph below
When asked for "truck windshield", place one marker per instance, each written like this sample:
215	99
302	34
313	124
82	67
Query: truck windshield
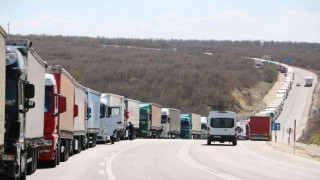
204	126
222	122
164	119
48	99
11	92
143	117
185	124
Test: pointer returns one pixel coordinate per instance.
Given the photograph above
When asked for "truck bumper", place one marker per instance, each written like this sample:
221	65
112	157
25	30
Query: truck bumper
8	169
222	138
47	151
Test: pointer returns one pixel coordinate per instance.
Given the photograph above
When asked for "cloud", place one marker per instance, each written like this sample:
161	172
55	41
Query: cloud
229	25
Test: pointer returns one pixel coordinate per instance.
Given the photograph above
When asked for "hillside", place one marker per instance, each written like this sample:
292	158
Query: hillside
195	76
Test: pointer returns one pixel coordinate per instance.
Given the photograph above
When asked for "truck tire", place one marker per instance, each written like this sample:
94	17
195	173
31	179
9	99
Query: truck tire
54	162
65	155
83	144
208	142
31	153
72	148
234	142
58	154
79	145
94	140
23	167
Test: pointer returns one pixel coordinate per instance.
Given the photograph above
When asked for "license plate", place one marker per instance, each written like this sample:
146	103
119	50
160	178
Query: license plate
217	136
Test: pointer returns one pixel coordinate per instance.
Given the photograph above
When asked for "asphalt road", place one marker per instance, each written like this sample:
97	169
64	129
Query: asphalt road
296	107
182	159
159	159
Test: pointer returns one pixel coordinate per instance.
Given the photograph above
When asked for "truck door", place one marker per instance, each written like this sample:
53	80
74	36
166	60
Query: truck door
113	121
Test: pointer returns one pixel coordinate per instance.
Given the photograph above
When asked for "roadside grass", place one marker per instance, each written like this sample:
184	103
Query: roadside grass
316	139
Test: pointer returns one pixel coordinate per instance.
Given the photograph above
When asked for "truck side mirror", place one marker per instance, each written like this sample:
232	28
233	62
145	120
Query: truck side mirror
29	104
29	91
75	110
109	113
88	113
62	104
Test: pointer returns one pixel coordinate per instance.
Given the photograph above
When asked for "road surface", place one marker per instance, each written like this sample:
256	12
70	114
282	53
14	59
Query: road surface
296	107
159	159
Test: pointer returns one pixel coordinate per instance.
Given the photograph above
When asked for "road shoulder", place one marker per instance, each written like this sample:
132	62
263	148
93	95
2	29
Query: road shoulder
310	151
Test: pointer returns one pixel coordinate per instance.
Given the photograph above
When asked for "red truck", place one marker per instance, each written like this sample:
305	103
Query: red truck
60	111
260	128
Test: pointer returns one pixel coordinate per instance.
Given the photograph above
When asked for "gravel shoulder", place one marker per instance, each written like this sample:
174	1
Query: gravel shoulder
310	151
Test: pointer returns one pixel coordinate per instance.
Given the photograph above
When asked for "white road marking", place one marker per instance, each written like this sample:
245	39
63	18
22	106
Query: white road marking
109	162
101	172
183	155
278	162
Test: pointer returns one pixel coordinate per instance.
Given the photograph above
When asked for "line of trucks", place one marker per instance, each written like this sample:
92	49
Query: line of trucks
46	116
258	127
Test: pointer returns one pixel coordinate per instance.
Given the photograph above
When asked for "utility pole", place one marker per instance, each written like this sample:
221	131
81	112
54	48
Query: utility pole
8	28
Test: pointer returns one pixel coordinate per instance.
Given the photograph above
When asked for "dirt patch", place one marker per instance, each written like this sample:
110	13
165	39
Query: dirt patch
257	98
310	151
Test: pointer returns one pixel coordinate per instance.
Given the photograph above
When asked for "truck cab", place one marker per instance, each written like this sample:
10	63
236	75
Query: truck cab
113	125
186	126
54	105
145	121
222	126
13	151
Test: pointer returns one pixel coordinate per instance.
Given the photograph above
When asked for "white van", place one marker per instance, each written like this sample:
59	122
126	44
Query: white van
222	126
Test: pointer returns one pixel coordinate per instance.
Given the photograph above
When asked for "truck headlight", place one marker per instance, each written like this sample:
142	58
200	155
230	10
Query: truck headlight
47	142
8	157
11	58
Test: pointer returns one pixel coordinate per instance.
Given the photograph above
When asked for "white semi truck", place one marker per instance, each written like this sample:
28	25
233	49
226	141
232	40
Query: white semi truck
113	124
132	108
308	81
170	122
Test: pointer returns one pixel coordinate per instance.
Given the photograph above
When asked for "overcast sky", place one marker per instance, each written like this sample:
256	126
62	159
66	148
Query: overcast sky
278	20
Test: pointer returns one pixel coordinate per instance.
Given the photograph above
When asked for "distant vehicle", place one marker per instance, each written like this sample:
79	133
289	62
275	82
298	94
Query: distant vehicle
308	81
170	121
132	109
150	120
204	129
260	128
243	130
93	107
190	126
222	126
298	84
113	125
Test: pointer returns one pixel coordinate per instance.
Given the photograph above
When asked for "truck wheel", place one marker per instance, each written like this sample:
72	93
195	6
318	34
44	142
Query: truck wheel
208	142
58	154
23	167
79	145
30	165
54	162
94	140
234	143
71	149
65	154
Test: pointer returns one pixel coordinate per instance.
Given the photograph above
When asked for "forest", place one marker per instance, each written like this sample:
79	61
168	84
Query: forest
190	75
